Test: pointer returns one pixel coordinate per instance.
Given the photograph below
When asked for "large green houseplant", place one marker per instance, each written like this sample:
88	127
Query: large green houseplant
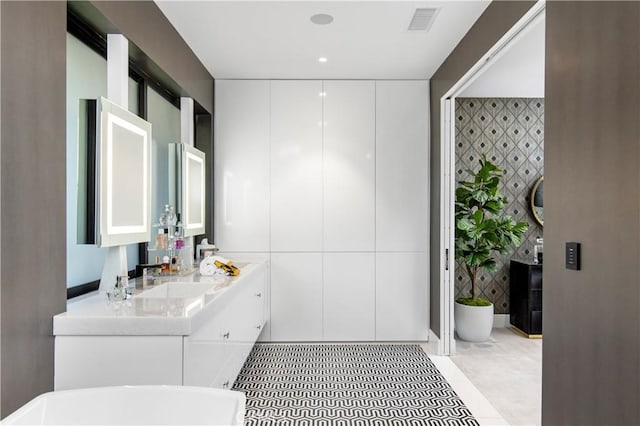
482	230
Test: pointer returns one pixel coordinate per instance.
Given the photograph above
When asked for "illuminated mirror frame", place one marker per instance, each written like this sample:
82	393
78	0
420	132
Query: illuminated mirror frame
188	169
116	199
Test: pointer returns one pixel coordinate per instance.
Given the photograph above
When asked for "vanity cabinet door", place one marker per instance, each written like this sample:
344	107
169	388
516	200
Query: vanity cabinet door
90	361
202	362
215	353
247	316
207	350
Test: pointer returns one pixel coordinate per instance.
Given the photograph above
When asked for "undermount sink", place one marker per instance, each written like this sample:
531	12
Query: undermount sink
177	290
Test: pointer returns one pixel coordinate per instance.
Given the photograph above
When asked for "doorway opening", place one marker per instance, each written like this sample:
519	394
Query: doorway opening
497	109
530	22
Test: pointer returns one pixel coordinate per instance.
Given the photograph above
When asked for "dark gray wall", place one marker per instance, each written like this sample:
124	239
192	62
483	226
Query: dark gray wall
33	273
146	27
496	20
591	353
32	171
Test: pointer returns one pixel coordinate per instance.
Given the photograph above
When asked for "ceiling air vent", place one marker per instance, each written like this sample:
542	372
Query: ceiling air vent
422	19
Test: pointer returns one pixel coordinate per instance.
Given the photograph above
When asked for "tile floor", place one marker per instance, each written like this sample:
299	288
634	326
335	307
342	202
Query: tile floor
352	384
507	370
500	380
480	407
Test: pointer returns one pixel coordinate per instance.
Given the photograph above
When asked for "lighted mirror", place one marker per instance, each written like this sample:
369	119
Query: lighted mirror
537	203
187	166
124	149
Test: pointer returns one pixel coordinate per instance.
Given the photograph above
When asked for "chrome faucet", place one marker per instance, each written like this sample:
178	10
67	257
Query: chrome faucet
142	271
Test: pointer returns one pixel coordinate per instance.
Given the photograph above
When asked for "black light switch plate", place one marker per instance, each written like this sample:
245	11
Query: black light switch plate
572	256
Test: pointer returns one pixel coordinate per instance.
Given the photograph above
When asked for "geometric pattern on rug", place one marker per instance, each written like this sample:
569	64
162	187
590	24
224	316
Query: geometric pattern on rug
320	384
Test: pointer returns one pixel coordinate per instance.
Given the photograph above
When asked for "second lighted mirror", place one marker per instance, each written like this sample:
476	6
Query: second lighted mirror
187	189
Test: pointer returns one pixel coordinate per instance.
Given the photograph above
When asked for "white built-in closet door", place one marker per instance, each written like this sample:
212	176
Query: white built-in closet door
296	166
241	165
401	296
402	115
349	165
296	296
402	188
349	297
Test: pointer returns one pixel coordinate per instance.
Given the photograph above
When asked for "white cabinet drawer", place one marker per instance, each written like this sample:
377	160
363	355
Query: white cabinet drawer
216	352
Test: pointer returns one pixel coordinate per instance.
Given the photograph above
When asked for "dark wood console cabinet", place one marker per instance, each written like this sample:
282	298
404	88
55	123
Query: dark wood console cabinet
525	297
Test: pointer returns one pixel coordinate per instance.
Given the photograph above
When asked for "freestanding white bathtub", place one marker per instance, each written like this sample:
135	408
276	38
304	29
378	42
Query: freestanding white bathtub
133	405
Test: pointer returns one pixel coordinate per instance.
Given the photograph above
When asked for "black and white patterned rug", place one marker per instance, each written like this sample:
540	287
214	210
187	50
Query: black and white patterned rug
324	384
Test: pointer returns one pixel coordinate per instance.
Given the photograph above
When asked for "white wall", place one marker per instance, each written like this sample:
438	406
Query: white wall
329	181
518	73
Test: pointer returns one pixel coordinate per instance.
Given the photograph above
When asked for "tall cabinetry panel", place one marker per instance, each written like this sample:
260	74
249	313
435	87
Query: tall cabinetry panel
402	170
349	296
401	296
349	165
401	165
296	296
296	166
241	165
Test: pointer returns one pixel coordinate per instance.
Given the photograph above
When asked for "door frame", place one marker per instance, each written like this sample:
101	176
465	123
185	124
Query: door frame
447	343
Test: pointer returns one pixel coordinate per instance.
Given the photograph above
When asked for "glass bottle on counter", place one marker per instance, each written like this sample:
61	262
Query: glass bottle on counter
179	234
161	239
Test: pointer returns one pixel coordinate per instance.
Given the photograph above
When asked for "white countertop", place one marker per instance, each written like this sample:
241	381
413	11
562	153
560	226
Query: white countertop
142	315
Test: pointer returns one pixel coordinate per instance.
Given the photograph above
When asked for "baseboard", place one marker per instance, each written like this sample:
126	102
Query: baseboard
501	321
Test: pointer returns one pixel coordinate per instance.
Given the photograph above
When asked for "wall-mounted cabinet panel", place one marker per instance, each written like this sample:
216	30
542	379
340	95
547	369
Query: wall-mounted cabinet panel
341	174
349	165
349	296
242	165
296	296
402	167
401	296
296	166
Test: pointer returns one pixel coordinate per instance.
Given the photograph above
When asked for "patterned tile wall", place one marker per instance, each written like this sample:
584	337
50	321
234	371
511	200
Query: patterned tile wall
510	132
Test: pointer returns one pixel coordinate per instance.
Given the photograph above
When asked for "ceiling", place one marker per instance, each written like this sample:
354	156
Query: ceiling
277	40
518	72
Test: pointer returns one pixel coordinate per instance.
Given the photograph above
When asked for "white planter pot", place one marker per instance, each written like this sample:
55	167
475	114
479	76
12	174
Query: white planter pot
473	323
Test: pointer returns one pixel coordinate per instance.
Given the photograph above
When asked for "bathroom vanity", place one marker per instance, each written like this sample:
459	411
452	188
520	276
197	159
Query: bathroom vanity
192	331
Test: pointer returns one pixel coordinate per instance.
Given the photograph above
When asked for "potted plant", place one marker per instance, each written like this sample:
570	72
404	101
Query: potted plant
482	230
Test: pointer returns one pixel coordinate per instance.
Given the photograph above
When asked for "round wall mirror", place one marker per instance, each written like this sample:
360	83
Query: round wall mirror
537	201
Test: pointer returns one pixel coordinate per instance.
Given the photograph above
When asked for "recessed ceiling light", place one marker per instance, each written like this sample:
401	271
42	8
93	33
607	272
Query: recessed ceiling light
322	59
322	19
